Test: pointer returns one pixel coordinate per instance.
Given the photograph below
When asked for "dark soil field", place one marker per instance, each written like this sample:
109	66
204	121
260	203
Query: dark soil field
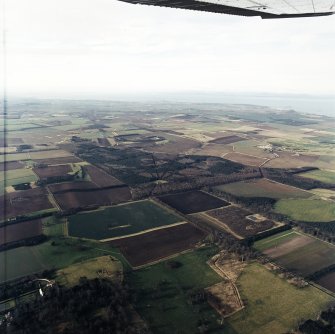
227	140
159	244
100	177
25	202
298	252
92	197
235	218
174	145
11	165
103	142
18	231
68	186
192	201
120	221
52	171
327	281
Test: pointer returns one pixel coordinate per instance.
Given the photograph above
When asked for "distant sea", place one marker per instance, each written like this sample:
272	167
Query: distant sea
312	104
320	105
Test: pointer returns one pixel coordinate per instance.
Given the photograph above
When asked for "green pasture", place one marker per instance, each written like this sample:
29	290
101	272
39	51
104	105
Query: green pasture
120	220
56	253
307	210
17	176
320	175
263	188
273	305
163	294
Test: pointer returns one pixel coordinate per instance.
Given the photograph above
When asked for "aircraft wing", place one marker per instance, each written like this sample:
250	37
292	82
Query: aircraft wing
267	9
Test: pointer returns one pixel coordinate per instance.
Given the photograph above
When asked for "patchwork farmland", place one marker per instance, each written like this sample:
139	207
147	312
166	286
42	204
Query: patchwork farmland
121	191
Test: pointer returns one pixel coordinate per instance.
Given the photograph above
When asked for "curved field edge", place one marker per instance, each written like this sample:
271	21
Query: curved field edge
163	293
307	210
56	253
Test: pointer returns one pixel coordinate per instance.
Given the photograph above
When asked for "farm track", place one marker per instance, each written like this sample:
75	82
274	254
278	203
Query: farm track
164	258
218	224
144	232
224	275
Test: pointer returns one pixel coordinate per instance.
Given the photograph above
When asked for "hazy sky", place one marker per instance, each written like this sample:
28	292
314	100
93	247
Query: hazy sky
92	47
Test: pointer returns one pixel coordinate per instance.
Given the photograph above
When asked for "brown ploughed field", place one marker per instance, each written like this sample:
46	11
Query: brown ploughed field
25	202
100	177
52	171
92	197
19	231
159	244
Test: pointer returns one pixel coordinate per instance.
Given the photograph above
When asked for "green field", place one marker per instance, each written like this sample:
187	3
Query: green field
18	126
18	262
307	210
56	253
273	305
54	230
263	188
163	294
324	193
320	175
275	240
298	252
17	176
120	220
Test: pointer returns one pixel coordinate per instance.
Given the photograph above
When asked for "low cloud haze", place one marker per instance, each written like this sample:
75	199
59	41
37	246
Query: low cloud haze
104	47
